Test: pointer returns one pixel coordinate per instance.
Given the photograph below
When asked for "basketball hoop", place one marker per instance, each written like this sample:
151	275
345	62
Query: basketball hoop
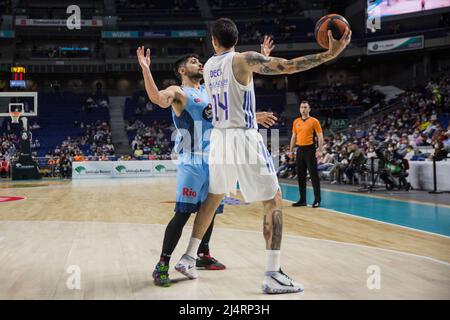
15	115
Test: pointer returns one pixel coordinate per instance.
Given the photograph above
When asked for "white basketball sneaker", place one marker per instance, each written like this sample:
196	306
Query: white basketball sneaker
186	266
277	282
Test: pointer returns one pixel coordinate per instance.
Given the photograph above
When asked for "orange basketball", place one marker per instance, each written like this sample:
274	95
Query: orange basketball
334	22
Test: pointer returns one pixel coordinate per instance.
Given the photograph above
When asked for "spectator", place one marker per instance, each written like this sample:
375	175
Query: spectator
4	168
439	153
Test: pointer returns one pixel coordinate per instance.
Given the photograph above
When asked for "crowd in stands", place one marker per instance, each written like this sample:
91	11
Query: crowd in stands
95	144
418	130
144	106
8	145
341	101
152	142
98	100
282	30
337	94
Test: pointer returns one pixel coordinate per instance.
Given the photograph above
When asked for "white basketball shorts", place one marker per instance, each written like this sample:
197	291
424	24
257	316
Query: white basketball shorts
239	155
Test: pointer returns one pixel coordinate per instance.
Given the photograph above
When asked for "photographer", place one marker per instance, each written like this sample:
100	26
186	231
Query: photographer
341	162
356	159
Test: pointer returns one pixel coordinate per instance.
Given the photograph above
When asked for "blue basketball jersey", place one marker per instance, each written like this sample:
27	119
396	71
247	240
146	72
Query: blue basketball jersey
194	123
194	128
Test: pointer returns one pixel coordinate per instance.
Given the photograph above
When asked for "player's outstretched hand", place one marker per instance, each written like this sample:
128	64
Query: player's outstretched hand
266	119
267	46
143	59
337	46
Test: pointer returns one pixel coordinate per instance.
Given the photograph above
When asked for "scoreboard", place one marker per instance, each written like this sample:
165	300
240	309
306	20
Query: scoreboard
17	77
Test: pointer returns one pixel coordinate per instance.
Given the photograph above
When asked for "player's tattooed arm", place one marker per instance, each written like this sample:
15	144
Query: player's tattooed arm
171	96
258	63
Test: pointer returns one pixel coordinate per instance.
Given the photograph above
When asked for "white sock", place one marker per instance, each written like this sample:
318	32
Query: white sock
193	246
273	260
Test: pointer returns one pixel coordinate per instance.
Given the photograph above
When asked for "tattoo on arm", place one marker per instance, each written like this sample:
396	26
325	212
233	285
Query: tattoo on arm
255	58
280	67
273	65
263	63
311	61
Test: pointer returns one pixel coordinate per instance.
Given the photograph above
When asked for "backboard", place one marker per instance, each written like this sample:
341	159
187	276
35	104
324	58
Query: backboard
26	101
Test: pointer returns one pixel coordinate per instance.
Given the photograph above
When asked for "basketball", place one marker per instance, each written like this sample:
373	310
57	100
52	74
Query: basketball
334	22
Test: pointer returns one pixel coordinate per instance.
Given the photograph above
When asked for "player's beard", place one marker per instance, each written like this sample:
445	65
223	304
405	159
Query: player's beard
196	76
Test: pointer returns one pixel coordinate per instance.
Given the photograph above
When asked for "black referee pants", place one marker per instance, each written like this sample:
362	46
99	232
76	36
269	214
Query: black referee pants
306	159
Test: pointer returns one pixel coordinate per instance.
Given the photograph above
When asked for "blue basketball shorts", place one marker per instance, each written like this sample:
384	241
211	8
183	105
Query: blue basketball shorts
192	186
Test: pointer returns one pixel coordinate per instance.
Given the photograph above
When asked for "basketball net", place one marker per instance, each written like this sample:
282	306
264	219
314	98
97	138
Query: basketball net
15	115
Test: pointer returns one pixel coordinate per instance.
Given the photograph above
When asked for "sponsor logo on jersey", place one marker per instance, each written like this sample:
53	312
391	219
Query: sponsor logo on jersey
188	192
207	113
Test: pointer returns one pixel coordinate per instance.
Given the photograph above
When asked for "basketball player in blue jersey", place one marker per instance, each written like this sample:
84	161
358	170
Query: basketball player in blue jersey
192	116
229	82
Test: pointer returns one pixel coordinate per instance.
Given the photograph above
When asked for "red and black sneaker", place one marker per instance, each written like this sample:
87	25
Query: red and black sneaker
206	262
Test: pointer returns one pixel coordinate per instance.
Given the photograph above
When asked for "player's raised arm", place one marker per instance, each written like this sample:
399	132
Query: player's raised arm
255	62
164	98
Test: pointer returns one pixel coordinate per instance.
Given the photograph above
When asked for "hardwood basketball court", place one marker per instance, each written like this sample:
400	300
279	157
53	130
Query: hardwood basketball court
112	231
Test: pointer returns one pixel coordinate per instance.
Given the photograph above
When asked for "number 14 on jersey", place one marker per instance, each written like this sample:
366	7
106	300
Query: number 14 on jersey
218	105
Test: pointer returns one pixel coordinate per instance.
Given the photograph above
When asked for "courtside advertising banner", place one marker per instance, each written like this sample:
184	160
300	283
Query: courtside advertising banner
92	169
164	168
23	22
395	45
128	169
123	169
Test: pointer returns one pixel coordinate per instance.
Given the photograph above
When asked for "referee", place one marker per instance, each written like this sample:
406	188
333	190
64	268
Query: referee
304	130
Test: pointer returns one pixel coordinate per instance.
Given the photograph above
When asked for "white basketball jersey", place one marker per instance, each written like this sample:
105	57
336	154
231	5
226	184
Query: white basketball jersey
232	103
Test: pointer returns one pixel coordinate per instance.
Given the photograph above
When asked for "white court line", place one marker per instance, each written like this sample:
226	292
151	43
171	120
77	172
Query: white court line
374	196
379	221
250	231
325	209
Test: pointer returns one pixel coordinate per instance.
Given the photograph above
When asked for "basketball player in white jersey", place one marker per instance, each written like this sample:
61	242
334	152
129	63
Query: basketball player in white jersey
229	83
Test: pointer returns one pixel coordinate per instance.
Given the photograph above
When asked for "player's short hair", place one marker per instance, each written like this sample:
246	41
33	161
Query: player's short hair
226	32
182	61
305	101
